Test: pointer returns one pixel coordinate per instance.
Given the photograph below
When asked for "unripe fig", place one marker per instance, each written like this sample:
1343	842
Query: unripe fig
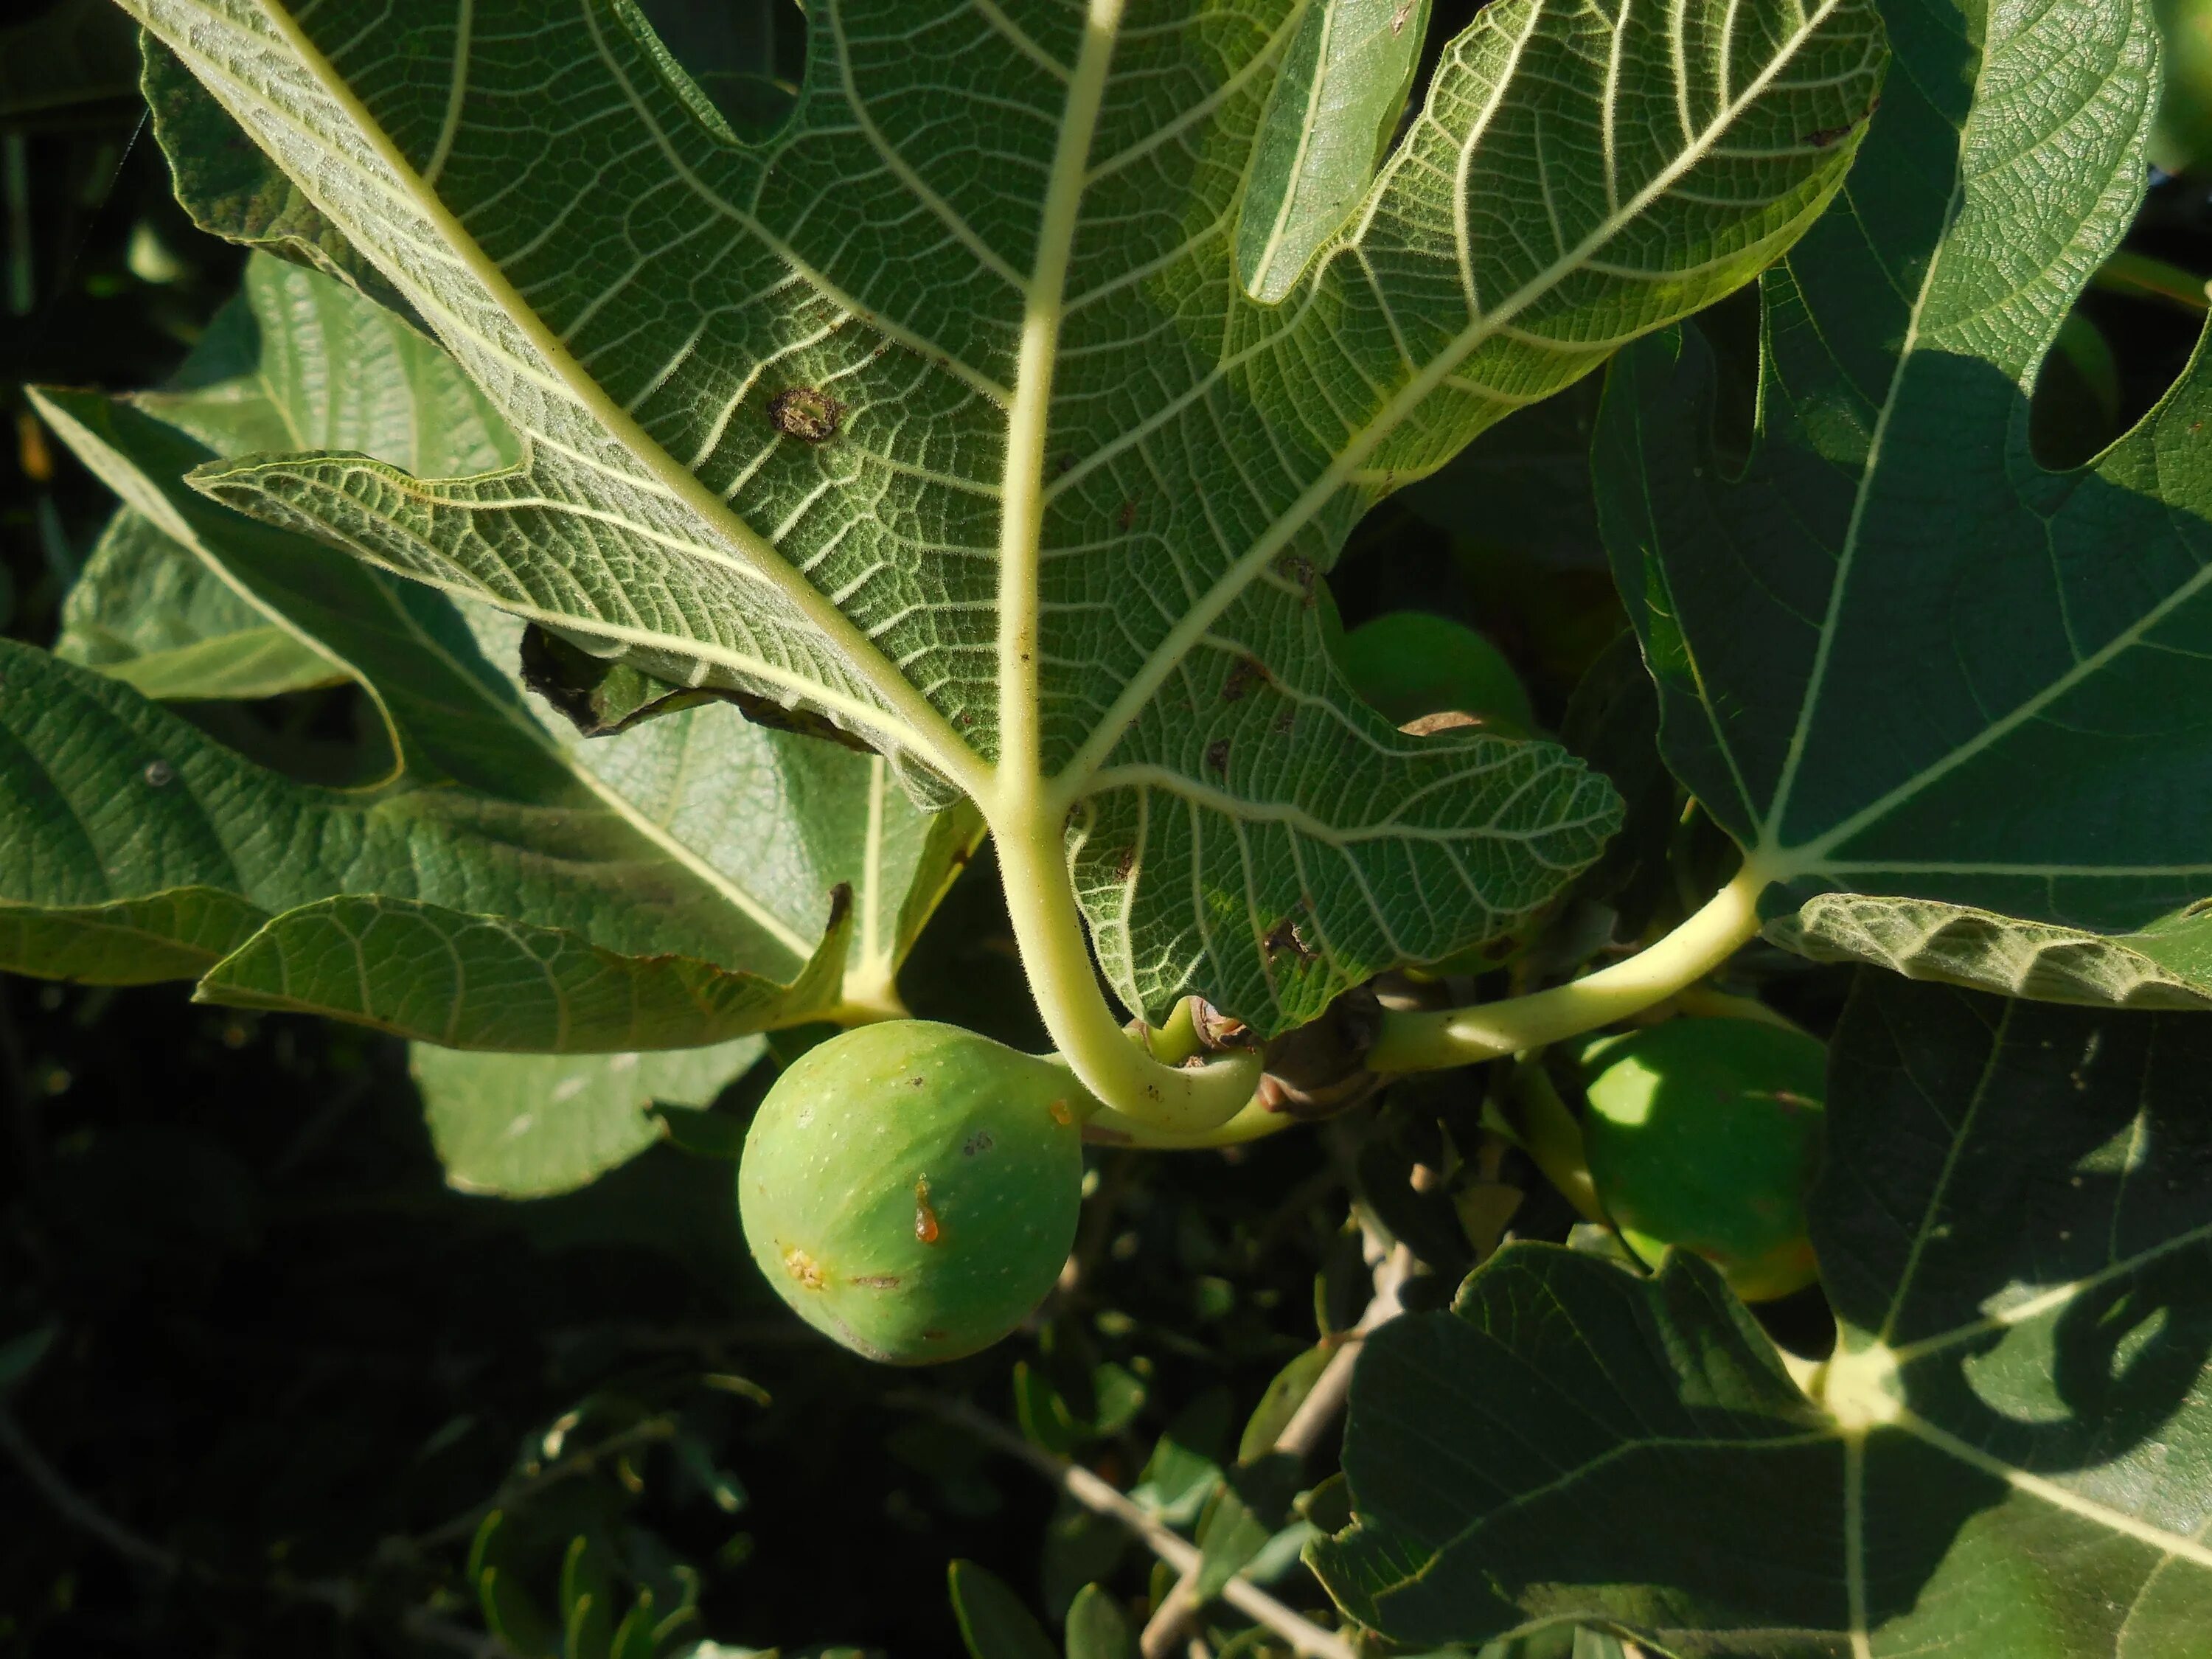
911	1189
1703	1134
1408	663
2181	139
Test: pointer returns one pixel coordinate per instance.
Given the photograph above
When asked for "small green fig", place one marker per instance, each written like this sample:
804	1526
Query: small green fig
1703	1134
2181	139
1408	663
911	1189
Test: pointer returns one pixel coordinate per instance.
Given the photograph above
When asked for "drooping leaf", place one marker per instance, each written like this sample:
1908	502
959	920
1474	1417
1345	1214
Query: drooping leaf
1900	660
2008	1454
671	886
942	415
230	188
123	820
144	610
527	1124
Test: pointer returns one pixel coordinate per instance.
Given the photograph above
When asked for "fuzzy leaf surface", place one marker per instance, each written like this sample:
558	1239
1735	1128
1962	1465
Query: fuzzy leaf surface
667	887
942	413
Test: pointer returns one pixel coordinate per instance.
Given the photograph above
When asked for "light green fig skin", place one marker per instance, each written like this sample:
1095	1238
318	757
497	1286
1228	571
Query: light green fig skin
912	1189
1703	1134
1406	663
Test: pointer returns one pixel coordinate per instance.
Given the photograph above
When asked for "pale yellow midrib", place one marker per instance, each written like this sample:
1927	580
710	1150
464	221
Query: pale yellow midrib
942	747
1014	795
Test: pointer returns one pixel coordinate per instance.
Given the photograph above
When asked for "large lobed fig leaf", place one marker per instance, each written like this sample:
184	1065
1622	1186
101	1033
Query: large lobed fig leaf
1949	700
944	413
2006	1455
509	885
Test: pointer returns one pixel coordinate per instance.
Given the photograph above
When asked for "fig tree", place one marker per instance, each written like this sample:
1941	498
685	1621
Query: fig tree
911	1189
1702	1134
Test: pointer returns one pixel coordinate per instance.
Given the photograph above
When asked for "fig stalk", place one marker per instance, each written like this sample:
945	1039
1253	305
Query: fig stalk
1418	1041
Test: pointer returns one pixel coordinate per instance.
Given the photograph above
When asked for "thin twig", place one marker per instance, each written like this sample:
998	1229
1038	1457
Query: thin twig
1298	1436
78	1510
1333	1386
1101	1497
338	1596
464	1525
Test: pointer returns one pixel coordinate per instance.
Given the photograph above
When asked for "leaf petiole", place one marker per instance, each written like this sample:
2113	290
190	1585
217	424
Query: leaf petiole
1180	1100
1437	1041
1255	1122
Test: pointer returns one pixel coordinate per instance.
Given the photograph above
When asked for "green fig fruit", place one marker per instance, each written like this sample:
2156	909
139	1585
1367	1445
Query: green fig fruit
1408	664
1703	1134
911	1189
2181	138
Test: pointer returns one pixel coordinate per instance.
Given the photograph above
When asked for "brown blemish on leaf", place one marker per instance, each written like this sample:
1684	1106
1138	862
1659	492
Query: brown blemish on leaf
877	1281
981	1141
1284	723
1249	672
926	1226
1060	1115
803	1267
1300	570
1126	515
802	412
1124	861
1216	755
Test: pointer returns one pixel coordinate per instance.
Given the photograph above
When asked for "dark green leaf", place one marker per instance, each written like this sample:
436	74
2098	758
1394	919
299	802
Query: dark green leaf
993	1620
1900	661
2007	1455
1286	1392
71	63
1248	1512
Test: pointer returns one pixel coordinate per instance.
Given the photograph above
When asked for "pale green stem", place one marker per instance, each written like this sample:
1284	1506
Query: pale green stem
1426	1042
1048	926
1255	1122
1026	819
1177	1040
865	1007
1547	1132
1703	1002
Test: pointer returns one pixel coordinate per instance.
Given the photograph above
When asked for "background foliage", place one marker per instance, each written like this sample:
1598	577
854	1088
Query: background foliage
267	1368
